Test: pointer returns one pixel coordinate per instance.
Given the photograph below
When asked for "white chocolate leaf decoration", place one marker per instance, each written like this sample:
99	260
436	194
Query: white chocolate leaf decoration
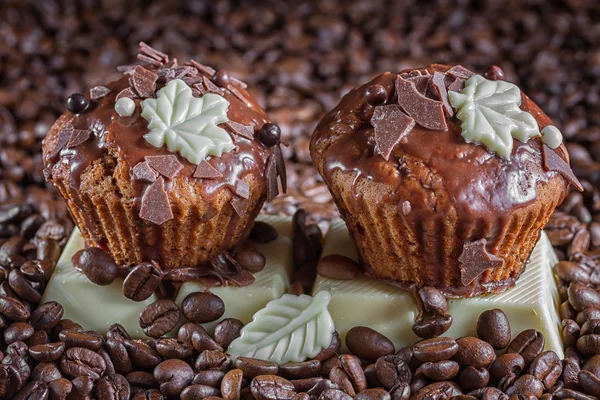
291	328
490	114
187	124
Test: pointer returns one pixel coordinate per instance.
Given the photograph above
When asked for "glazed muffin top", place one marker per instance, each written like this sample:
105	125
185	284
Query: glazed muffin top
187	125
445	140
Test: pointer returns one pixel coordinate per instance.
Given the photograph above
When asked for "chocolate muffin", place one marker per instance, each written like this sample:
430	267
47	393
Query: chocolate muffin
170	163
445	178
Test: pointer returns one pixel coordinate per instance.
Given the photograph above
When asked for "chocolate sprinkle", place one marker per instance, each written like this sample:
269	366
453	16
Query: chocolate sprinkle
475	259
240	206
551	161
426	112
391	125
439	86
280	162
210	87
155	203
168	166
78	137
144	81
271	176
97	92
127	92
151	55
242	189
181	72
63	138
143	172
203	69
245	131
458	71
205	170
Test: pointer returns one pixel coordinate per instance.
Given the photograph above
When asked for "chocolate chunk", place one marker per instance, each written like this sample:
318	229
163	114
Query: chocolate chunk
554	162
242	189
156	207
143	172
458	71
240	205
457	85
210	87
426	112
63	138
98	92
166	165
151	55
439	87
144	81
271	175
205	170
245	131
127	92
78	137
391	125
475	259
280	162
203	69
180	72
421	83
198	89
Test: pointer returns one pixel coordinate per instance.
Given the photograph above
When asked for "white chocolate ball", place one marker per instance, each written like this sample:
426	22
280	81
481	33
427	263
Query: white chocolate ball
551	136
125	107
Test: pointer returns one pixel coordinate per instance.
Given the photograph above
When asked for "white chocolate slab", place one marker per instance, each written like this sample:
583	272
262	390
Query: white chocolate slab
532	303
270	283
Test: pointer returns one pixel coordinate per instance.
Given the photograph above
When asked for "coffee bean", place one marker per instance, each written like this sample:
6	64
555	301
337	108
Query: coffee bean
113	387
78	361
581	296
89	340
141	379
337	266
438	390
209	378
436	349
117	332
213	359
173	348
22	287
546	368
38	337
18	349
589	382
493	327
373	394
433	301
47	316
528	343
474	352
441	370
371	375
368	344
201	307
142	355
37	270
66	325
227	331
141	282
13	309
173	376
589	345
231	385
272	387
47	352
392	370
507	364
202	341
263	233
45	372
353	368
253	367
59	389
472	378
299	370
331	350
82	387
587	314
251	260
11	381
428	327
339	377
18	331
570	332
526	385
159	318
194	392
118	355
96	264
32	391
334	394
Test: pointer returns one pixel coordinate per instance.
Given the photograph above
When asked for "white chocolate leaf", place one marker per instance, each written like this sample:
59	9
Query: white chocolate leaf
291	328
187	124
490	114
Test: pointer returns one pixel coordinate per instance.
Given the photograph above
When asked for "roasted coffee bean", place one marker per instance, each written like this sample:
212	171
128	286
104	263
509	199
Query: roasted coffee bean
251	260
571	272
526	385
185	331
472	378
306	384
328	364
113	387
11	381
392	370
441	370
38	337
141	354
89	340
37	270
371	375
141	379
201	307
22	287
78	361
587	314
353	368
334	394
17	349
97	265
173	348
253	367
581	296
272	387
373	394
339	377
173	376
493	327
48	250
589	345
546	368
263	233
368	344
571	394
474	352
47	352
436	349
118	355
589	382
66	325
194	392
299	370
45	372
18	331
593	365
117	332
320	386
19	363
231	385
59	389
336	266
154	394
299	396
159	318
428	327
32	391
201	340
213	359
570	373
433	301
438	390
570	332
47	316
13	309
331	350
528	343
227	331
209	378
566	311
82	387
507	364
110	367
141	282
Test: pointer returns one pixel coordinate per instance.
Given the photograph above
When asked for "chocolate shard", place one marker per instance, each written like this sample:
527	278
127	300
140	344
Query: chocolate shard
456	85
242	189
143	172
210	87
475	260
191	80
238	94
78	137
271	176
126	69
421	83
280	163
144	81
411	74
205	170
64	136
198	90
203	69
245	131
439	87
127	92
426	112
458	71
151	55
240	205
156	207
181	72
97	92
390	125
166	165
552	161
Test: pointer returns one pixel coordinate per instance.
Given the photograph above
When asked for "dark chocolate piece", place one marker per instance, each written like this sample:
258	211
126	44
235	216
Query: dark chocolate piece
241	130
166	165
421	83
439	86
198	90
280	163
156	207
78	137
203	69
210	87
143	172
271	176
205	170
426	112
144	81
63	138
240	206
391	125
457	85
98	92
475	259
151	55
242	189
181	72
458	71
551	161
127	92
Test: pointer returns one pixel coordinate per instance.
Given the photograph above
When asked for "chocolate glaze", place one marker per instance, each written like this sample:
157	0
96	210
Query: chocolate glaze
480	185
